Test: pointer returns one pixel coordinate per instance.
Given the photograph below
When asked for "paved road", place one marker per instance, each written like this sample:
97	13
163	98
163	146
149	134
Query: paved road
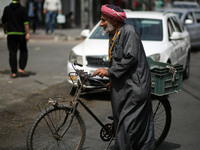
47	64
185	129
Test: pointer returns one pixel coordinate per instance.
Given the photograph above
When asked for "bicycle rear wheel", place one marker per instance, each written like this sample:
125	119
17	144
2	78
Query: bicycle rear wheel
162	118
48	127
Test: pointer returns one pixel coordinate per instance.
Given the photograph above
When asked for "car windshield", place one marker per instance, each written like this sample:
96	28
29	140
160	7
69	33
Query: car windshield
148	29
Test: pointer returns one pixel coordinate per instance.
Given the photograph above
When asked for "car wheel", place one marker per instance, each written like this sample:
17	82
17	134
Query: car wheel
186	72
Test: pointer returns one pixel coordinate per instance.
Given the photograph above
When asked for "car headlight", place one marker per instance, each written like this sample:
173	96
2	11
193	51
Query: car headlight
75	58
155	57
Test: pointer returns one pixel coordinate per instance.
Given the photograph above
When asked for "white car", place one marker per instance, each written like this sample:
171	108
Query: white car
163	36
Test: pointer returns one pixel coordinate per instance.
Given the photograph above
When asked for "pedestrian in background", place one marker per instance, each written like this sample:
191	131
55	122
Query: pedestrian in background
130	83
16	26
51	8
39	12
32	13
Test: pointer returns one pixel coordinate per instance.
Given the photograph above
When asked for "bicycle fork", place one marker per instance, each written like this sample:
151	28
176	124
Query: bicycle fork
50	122
73	111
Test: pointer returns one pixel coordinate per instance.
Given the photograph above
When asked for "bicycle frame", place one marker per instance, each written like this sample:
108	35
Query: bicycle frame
77	100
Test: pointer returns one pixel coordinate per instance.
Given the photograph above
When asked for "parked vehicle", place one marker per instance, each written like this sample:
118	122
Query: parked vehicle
163	36
185	4
191	20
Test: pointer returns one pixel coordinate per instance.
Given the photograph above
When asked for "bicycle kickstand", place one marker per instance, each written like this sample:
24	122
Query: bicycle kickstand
107	148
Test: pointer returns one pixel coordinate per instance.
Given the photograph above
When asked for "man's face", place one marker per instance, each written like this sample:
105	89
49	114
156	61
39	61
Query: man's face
106	24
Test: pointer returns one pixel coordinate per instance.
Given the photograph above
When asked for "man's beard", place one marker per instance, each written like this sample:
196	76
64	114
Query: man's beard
108	29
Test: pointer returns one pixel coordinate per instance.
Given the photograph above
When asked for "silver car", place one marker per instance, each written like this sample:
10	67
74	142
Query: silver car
191	20
185	4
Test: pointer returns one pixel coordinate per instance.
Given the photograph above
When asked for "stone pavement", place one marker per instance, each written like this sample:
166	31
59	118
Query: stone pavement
59	34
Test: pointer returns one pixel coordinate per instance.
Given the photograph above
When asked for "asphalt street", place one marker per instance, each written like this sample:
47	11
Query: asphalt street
47	64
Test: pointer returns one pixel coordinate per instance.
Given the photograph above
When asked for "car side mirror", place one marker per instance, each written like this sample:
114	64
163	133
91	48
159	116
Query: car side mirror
85	33
176	36
188	21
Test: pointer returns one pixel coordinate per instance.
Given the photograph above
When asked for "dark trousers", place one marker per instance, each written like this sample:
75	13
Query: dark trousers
32	21
14	43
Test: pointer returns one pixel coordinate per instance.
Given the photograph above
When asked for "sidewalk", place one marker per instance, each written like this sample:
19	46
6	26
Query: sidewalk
59	34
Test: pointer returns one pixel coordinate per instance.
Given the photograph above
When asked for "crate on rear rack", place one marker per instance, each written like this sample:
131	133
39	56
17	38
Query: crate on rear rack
166	78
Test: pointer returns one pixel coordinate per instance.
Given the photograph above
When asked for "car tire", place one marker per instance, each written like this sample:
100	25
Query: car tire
186	72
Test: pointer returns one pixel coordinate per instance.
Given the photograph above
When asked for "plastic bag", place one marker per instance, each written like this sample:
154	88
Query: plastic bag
61	19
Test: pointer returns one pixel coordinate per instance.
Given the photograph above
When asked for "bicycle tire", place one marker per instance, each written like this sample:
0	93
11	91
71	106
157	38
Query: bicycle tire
43	135
162	118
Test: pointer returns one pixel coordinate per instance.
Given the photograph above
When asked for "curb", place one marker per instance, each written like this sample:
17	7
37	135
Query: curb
56	37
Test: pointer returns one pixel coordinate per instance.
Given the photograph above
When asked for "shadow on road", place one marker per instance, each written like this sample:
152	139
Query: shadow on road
168	146
7	72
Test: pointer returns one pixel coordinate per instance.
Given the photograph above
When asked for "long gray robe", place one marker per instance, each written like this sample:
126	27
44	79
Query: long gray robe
130	92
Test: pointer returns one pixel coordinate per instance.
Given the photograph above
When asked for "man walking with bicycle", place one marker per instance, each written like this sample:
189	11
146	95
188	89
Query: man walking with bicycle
130	83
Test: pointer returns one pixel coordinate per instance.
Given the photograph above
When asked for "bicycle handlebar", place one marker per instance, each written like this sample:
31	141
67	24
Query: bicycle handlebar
84	76
75	63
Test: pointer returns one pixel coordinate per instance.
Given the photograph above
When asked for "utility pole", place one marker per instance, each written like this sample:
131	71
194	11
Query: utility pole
150	5
90	14
82	14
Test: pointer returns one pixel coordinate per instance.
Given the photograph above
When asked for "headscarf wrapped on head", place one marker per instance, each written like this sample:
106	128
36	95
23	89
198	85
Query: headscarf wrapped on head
114	12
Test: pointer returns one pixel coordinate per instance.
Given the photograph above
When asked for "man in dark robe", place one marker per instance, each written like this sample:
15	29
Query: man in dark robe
130	83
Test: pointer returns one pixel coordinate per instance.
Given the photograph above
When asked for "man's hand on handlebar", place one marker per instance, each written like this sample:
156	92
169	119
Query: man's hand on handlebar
101	72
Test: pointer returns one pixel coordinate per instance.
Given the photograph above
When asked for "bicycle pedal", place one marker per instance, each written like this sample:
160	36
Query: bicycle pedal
110	117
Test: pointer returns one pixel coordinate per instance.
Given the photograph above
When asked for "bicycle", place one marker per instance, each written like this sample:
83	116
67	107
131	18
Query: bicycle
60	126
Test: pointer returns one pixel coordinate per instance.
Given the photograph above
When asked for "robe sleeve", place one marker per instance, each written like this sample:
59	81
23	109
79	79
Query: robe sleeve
130	48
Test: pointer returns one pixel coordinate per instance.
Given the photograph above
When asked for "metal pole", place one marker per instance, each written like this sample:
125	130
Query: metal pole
150	5
90	14
82	14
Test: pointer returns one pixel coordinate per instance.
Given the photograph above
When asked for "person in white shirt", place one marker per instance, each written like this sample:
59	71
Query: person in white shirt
51	8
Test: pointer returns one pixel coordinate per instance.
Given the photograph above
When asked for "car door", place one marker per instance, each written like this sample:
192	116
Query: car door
182	43
190	24
196	38
172	46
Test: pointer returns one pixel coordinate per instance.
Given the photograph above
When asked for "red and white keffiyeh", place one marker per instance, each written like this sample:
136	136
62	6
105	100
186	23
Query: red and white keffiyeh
114	12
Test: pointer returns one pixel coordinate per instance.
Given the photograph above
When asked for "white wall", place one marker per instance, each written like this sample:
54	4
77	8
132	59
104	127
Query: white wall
3	4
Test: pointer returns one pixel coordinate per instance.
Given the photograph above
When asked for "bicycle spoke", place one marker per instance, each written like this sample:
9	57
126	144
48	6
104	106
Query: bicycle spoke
162	119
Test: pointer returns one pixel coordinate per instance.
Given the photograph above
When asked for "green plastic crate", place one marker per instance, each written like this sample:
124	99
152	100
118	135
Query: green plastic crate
166	78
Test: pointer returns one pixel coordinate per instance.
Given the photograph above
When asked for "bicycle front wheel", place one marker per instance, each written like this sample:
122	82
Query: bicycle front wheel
162	118
56	128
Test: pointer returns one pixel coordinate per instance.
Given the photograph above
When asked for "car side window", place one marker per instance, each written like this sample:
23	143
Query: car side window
189	19
170	27
197	16
147	29
177	24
